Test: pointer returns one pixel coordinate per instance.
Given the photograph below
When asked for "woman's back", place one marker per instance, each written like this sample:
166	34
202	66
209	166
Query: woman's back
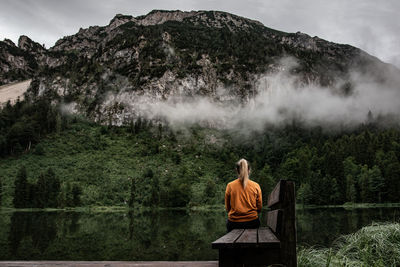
243	202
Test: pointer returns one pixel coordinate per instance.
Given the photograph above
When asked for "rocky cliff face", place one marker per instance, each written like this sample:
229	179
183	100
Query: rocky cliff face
19	62
105	72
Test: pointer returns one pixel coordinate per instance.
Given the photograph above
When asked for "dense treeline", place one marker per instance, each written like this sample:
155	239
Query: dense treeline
72	162
24	123
46	192
22	126
362	166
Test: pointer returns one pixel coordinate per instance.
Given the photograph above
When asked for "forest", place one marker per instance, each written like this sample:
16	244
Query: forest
49	159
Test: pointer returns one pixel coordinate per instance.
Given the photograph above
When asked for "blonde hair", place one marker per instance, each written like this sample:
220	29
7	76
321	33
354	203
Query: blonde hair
243	169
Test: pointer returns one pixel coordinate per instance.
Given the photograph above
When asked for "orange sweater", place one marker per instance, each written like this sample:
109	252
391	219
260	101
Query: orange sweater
243	204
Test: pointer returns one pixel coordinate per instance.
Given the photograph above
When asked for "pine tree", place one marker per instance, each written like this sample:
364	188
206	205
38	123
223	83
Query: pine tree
363	181
304	194
53	188
21	189
41	199
392	175
377	183
68	195
76	195
335	194
351	195
266	182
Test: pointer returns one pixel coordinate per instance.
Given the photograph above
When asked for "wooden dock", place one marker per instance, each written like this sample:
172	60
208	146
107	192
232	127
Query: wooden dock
108	263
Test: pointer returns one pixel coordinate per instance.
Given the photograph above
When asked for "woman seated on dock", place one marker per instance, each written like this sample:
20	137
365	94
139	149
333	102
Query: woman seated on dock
243	200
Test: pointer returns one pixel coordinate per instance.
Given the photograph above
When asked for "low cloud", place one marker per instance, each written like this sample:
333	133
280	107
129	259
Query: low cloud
279	99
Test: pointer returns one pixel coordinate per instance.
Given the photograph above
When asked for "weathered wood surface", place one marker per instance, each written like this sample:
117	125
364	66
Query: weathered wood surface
240	238
108	263
275	196
288	235
228	240
267	239
249	236
274	221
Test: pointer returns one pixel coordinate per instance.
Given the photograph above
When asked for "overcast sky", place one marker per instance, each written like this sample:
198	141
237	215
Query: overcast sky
371	25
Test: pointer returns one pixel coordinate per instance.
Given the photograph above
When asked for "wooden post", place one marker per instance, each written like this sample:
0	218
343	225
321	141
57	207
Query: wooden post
288	234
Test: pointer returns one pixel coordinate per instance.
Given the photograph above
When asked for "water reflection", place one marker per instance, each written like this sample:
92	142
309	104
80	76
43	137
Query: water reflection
320	227
164	235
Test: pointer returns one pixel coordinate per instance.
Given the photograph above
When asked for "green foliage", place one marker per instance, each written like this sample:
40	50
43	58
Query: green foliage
39	150
21	189
374	245
376	184
24	123
304	194
351	194
76	193
96	165
48	188
266	181
131	202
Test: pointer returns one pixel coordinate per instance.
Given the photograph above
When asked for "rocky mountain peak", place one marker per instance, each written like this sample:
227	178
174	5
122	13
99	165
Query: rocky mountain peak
26	44
217	19
9	42
118	20
156	17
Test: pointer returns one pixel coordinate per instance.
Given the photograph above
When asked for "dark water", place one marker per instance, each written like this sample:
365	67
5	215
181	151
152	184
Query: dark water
164	235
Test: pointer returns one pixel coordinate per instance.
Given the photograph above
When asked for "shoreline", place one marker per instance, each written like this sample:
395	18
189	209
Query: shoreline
209	208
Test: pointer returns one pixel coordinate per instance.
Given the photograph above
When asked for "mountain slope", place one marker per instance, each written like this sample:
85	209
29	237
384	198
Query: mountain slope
104	71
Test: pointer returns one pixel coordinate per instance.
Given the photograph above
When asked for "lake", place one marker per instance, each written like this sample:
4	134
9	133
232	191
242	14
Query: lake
158	235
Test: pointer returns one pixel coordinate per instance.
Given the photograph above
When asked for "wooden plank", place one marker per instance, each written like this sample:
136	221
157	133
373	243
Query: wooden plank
108	263
266	238
249	236
288	236
275	196
227	240
274	221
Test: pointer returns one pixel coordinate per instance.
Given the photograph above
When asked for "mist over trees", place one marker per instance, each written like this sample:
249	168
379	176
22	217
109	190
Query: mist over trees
149	164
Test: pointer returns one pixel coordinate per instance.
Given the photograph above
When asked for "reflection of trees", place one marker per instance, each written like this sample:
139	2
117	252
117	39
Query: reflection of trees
322	226
319	226
67	223
39	227
173	235
155	235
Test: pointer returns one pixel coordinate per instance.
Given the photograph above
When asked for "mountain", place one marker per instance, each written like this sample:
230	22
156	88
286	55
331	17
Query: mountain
19	62
113	74
102	71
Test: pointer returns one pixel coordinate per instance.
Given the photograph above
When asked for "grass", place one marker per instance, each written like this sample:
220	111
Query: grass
375	245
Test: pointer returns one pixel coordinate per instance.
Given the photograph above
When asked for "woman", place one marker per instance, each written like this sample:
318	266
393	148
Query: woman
243	200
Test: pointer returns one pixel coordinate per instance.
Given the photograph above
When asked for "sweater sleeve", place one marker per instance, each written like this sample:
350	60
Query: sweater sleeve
259	199
228	198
